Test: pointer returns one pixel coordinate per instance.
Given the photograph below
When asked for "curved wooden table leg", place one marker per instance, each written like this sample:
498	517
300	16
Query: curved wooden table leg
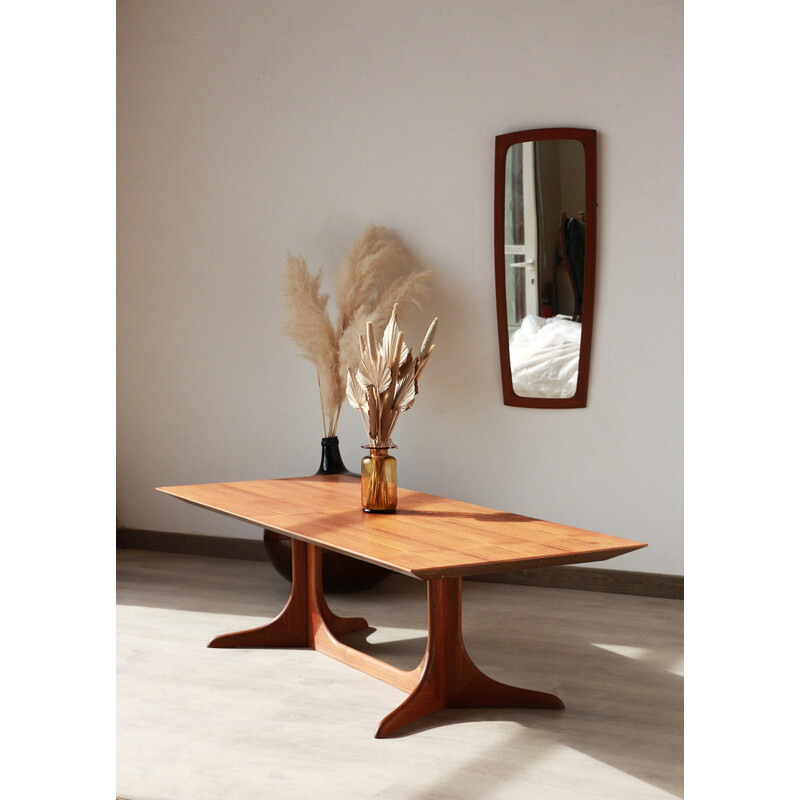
318	606
292	627
449	677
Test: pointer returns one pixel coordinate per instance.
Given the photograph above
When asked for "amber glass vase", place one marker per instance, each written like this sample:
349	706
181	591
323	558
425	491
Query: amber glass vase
378	481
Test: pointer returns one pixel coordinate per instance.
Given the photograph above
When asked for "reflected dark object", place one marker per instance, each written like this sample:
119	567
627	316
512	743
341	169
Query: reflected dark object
573	231
545	234
340	574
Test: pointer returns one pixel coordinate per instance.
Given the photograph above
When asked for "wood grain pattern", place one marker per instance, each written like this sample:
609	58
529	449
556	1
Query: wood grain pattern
429	537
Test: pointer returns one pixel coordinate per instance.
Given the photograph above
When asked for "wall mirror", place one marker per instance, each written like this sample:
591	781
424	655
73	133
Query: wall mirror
544	240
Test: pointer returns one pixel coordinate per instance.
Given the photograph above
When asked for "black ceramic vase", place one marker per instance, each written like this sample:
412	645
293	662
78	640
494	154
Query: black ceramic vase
340	573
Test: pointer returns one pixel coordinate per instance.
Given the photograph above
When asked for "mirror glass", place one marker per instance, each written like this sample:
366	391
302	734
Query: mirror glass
545	190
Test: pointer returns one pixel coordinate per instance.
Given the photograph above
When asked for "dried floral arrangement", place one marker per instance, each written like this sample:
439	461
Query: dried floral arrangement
387	380
370	284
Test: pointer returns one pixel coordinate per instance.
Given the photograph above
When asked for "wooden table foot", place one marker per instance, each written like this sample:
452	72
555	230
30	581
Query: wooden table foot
293	627
449	677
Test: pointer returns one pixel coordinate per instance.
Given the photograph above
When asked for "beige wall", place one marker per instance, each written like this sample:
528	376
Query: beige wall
247	129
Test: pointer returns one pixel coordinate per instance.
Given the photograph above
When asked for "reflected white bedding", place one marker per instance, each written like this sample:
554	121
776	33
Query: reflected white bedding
544	357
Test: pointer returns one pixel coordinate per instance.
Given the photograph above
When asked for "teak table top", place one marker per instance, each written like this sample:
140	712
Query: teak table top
428	537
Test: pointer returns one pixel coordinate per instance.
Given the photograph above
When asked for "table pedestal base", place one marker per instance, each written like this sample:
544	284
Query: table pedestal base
445	678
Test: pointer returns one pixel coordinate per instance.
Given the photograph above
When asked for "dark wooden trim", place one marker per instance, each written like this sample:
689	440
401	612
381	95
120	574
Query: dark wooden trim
193	544
589	579
588	138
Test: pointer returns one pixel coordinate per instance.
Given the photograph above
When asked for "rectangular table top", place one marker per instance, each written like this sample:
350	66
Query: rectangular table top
428	536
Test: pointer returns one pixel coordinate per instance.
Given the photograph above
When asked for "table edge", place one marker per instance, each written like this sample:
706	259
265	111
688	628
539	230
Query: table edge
425	574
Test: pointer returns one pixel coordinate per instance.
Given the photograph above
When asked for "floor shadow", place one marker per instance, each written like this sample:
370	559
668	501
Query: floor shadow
624	704
639	732
620	710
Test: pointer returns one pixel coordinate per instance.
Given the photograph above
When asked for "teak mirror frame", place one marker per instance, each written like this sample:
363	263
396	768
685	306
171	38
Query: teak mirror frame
588	138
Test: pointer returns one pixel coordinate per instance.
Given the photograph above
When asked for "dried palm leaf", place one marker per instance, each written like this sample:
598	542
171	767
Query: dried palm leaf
356	394
375	373
393	345
406	393
388	374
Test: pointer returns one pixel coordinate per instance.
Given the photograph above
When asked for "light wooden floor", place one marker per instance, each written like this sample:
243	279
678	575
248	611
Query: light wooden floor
208	724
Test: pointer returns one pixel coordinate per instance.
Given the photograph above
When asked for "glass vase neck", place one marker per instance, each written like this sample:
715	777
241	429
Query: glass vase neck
379	449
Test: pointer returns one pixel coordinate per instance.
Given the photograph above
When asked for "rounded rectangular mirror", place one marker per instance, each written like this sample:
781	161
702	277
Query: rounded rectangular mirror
544	238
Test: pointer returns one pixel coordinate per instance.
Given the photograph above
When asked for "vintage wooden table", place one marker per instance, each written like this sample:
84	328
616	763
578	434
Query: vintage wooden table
431	538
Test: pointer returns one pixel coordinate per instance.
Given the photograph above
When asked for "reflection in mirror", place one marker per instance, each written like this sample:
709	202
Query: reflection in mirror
544	254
